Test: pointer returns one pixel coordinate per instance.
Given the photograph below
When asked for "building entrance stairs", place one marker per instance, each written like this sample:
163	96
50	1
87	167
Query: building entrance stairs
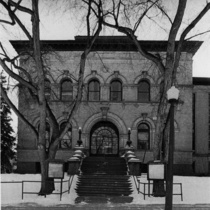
104	177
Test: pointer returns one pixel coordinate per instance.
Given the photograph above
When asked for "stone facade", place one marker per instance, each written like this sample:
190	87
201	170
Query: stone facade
201	122
113	60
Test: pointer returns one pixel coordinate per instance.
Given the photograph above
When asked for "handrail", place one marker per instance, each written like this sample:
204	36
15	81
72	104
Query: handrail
135	181
149	183
70	180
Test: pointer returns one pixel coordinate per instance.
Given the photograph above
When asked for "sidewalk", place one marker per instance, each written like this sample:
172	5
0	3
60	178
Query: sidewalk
31	206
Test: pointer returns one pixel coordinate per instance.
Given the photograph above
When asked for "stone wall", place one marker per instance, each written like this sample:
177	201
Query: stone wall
130	68
202	136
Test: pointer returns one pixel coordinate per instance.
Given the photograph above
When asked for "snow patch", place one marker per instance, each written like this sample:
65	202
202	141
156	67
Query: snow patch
195	191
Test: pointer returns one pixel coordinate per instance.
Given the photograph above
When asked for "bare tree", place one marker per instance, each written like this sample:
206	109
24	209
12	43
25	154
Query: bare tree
36	88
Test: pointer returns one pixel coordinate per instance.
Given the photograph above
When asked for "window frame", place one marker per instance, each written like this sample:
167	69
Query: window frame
143	131
147	99
120	92
97	92
66	93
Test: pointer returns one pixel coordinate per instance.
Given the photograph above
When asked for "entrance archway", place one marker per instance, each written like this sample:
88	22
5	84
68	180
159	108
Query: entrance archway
104	139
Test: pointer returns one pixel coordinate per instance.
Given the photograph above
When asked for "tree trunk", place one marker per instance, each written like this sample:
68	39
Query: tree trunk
47	184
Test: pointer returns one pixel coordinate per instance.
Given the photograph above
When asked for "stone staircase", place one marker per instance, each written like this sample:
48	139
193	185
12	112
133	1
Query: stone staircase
103	177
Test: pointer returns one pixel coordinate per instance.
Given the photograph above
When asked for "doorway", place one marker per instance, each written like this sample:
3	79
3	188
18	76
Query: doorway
104	139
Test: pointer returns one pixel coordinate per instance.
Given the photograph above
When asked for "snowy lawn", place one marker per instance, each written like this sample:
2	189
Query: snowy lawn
196	190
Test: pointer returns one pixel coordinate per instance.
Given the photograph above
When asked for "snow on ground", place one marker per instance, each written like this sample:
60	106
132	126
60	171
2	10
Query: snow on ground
195	191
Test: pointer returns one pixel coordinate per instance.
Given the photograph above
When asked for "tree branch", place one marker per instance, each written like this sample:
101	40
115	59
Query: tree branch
199	34
17	112
144	53
19	7
87	18
171	40
16	76
184	34
78	97
14	19
9	12
164	12
142	16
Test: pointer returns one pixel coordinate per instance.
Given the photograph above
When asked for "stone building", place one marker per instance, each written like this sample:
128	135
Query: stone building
121	95
201	126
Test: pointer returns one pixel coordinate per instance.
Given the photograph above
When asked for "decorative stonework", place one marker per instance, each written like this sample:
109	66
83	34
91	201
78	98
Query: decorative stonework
65	114
116	74
144	73
144	115
66	72
110	117
93	72
104	111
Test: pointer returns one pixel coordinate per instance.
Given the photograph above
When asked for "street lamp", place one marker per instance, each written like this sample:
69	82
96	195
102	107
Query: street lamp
80	141
172	96
129	142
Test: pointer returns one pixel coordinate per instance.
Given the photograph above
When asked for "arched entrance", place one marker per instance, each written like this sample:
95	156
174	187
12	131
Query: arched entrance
104	139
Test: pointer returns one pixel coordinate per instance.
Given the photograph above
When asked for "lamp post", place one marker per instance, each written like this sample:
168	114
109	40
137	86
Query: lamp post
80	141
129	142
172	96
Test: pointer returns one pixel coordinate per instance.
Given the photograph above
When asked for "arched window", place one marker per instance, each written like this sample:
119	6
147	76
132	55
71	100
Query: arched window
66	90
143	91
143	137
94	90
116	91
66	142
47	90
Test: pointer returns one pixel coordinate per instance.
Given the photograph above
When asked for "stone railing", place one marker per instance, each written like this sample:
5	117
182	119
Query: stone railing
133	163
75	162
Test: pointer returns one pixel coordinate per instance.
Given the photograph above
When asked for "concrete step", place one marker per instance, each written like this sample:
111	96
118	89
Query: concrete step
105	185
104	173
105	199
103	177
108	193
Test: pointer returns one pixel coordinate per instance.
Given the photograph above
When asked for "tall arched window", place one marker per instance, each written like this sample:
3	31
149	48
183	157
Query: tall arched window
143	91
66	142
94	90
66	90
143	137
116	90
47	90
